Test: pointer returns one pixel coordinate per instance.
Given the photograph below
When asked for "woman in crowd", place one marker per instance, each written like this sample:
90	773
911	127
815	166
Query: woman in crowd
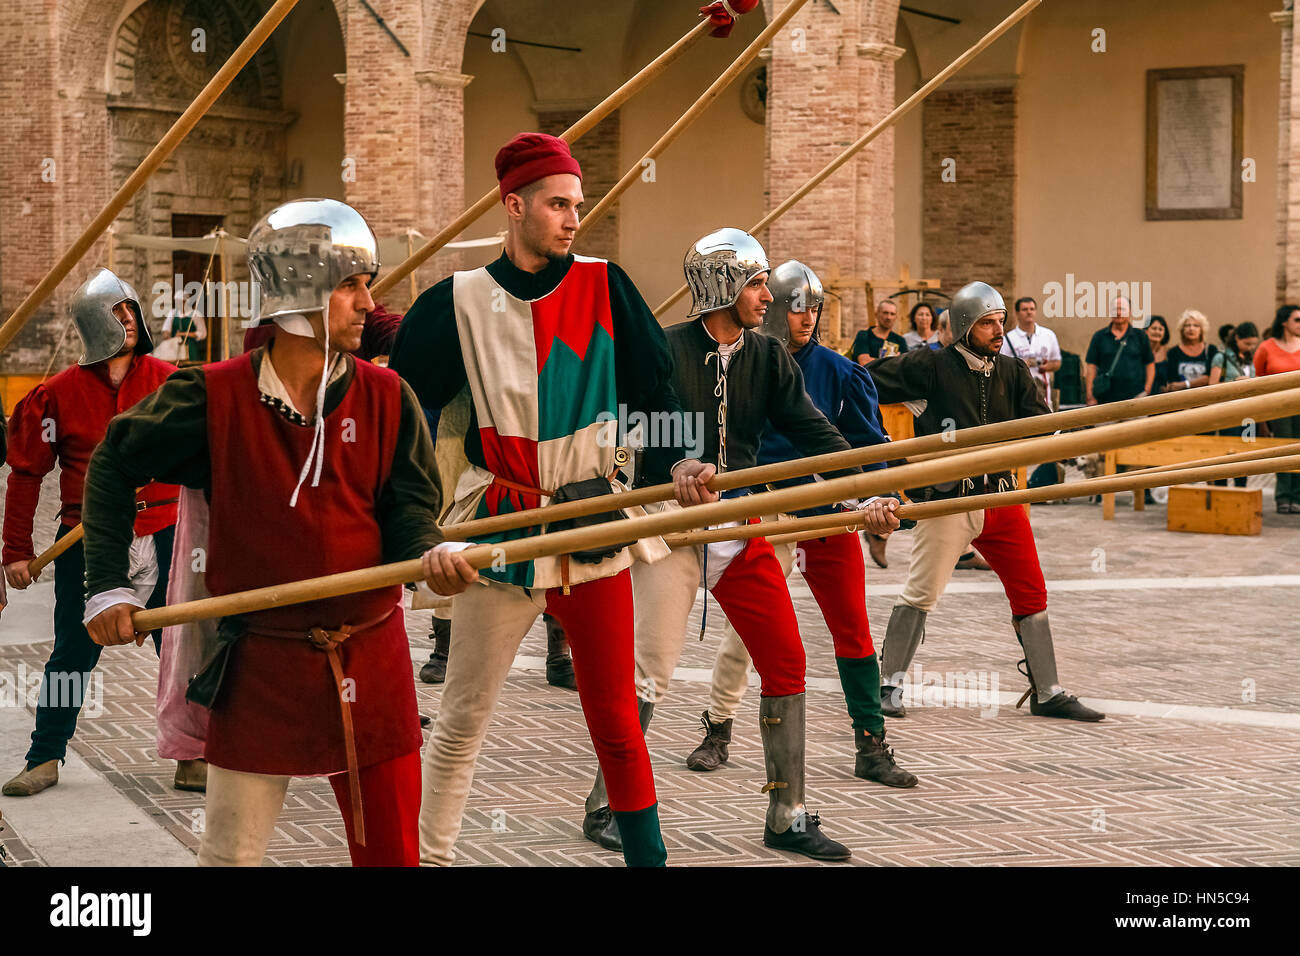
1187	364
1158	334
924	330
1280	352
1234	363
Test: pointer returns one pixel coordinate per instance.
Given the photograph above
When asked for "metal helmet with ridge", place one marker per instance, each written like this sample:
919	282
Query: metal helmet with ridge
299	253
794	288
971	303
719	266
102	335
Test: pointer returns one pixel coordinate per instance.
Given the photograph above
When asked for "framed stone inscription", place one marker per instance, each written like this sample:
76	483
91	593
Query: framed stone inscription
1194	143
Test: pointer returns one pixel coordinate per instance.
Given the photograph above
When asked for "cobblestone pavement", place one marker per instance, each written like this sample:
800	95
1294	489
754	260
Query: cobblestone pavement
1188	640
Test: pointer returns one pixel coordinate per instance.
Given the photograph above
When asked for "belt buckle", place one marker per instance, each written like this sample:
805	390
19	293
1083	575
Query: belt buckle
141	505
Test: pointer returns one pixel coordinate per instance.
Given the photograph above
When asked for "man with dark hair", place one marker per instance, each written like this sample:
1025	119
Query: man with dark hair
313	463
969	383
546	346
1035	345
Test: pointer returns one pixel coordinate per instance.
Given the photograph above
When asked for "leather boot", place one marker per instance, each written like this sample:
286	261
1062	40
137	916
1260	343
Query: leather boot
600	825
1047	698
191	775
875	761
435	669
789	825
559	665
712	752
33	779
876	548
903	636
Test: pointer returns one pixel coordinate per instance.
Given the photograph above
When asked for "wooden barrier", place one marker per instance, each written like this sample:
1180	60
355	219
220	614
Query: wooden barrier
1172	451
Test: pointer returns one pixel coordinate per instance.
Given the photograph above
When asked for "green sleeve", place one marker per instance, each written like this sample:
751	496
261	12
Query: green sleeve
409	504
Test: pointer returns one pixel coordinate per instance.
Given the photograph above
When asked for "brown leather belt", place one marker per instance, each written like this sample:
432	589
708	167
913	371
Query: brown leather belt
329	641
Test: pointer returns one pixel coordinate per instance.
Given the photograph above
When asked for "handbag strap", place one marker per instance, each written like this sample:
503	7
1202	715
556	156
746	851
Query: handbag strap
1115	361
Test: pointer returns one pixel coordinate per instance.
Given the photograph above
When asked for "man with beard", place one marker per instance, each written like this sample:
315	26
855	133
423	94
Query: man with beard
737	380
547	345
966	384
833	566
61	422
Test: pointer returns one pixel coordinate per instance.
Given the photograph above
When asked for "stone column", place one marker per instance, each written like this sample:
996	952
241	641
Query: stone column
830	77
1288	167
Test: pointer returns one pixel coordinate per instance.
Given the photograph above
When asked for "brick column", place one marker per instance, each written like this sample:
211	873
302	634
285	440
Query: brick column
969	223
1288	168
830	77
404	121
597	153
30	207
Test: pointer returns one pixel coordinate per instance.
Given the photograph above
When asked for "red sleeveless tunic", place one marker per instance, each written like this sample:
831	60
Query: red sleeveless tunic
279	710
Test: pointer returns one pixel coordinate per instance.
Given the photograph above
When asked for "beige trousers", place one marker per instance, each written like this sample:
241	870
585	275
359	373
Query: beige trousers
937	543
732	664
240	815
663	594
491	620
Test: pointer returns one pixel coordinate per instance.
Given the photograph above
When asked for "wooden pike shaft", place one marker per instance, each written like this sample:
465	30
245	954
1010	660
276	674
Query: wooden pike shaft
1129	481
944	443
697	108
157	156
42	560
634	85
898	113
738	509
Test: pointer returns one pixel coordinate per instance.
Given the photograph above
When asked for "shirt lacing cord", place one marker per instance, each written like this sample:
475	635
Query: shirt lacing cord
720	393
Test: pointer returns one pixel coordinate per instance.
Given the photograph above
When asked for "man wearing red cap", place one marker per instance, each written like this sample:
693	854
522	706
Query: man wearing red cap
550	347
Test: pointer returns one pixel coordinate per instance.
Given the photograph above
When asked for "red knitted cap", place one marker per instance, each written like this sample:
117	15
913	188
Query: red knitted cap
530	157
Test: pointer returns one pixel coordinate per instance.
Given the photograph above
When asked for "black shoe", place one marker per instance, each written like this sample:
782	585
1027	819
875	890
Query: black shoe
891	701
875	762
712	753
599	826
1066	706
806	837
425	720
434	670
559	663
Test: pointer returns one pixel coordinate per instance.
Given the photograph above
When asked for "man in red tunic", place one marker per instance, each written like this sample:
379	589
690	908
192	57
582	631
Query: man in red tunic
313	463
60	422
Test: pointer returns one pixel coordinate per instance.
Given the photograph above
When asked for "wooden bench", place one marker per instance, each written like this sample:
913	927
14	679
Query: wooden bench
1172	451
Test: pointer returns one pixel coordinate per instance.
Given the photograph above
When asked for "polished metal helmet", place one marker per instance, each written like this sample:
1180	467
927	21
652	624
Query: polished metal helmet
719	266
302	250
794	288
971	303
102	335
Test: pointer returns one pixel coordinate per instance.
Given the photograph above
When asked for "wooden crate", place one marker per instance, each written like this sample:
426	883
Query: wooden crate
1208	509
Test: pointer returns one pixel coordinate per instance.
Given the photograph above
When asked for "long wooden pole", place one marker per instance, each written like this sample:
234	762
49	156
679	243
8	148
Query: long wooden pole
707	98
575	132
43	560
797	498
157	156
799	529
944	442
1128	481
899	111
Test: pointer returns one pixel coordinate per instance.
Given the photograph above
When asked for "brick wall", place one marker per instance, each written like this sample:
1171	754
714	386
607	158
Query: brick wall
598	155
969	224
1288	147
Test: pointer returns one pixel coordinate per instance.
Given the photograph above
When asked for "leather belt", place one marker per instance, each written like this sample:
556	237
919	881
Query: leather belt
146	505
329	641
